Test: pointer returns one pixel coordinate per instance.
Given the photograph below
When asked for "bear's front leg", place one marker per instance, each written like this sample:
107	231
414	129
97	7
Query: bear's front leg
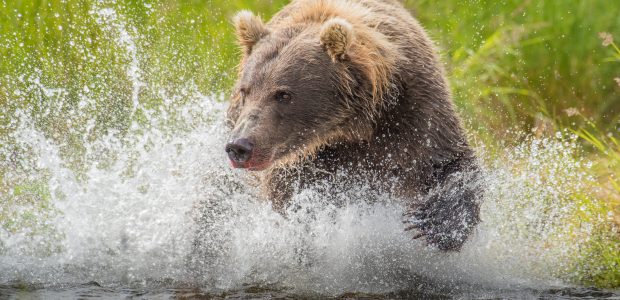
210	215
449	212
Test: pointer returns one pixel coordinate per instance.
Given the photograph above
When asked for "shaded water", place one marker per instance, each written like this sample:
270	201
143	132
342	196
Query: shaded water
93	290
153	209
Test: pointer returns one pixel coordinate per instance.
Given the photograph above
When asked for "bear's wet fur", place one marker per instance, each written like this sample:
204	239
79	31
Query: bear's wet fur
354	87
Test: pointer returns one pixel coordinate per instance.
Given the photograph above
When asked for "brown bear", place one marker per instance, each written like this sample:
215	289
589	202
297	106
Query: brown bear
353	87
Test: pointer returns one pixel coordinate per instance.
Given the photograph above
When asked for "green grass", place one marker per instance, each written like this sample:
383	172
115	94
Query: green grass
523	63
513	63
515	66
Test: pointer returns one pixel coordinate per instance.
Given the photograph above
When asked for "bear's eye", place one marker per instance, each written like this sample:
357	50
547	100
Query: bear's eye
283	96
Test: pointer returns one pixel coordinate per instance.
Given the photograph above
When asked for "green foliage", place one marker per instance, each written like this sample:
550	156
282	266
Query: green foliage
512	63
522	63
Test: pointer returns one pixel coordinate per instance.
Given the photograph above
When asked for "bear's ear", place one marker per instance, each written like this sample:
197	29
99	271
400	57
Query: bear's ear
337	36
250	29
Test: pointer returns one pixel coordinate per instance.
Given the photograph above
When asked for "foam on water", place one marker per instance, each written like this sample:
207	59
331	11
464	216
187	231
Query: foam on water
161	204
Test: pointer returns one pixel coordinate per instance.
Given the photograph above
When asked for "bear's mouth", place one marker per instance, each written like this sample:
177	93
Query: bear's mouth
256	162
252	164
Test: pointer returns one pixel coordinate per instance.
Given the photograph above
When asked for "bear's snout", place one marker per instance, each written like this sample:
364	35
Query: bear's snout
240	152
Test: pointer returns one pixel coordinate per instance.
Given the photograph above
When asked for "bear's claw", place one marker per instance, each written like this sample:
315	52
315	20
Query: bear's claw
447	217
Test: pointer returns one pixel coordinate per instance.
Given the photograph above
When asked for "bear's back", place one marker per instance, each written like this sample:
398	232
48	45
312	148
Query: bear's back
388	17
399	30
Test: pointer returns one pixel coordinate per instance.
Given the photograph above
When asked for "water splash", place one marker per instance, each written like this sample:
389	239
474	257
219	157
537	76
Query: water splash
135	220
108	18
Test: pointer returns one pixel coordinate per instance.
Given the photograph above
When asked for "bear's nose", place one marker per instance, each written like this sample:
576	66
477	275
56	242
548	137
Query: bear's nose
240	150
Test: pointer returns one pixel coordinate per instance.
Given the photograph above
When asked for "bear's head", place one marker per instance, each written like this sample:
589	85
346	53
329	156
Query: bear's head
304	85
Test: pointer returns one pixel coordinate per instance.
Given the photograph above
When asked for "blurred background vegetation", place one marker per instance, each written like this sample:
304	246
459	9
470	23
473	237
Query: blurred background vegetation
514	65
517	68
